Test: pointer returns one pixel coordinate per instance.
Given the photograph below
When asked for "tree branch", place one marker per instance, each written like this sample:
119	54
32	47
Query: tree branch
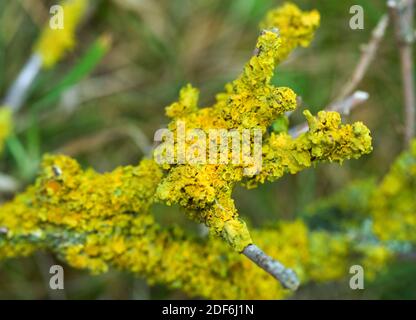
402	16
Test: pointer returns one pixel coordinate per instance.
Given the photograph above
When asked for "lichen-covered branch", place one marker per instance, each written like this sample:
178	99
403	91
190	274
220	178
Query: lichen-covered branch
326	140
100	221
252	102
95	221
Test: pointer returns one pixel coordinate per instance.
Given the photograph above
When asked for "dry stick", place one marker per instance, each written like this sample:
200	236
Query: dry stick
344	107
402	17
366	58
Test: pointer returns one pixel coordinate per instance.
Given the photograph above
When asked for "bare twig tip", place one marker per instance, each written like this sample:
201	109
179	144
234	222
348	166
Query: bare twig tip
287	277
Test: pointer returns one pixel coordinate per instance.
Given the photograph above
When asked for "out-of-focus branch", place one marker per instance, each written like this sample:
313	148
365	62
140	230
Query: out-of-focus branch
344	107
402	16
366	58
287	277
43	56
16	96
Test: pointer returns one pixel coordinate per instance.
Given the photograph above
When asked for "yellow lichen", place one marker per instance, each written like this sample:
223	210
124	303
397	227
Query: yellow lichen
96	221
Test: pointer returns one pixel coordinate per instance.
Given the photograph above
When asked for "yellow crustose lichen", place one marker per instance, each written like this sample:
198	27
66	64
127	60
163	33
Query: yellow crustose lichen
54	43
94	221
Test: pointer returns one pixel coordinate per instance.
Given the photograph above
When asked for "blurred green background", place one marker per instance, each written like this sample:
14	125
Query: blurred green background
101	110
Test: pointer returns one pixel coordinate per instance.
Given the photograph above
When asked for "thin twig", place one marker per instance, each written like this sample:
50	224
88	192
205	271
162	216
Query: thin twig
344	107
402	17
287	277
366	59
